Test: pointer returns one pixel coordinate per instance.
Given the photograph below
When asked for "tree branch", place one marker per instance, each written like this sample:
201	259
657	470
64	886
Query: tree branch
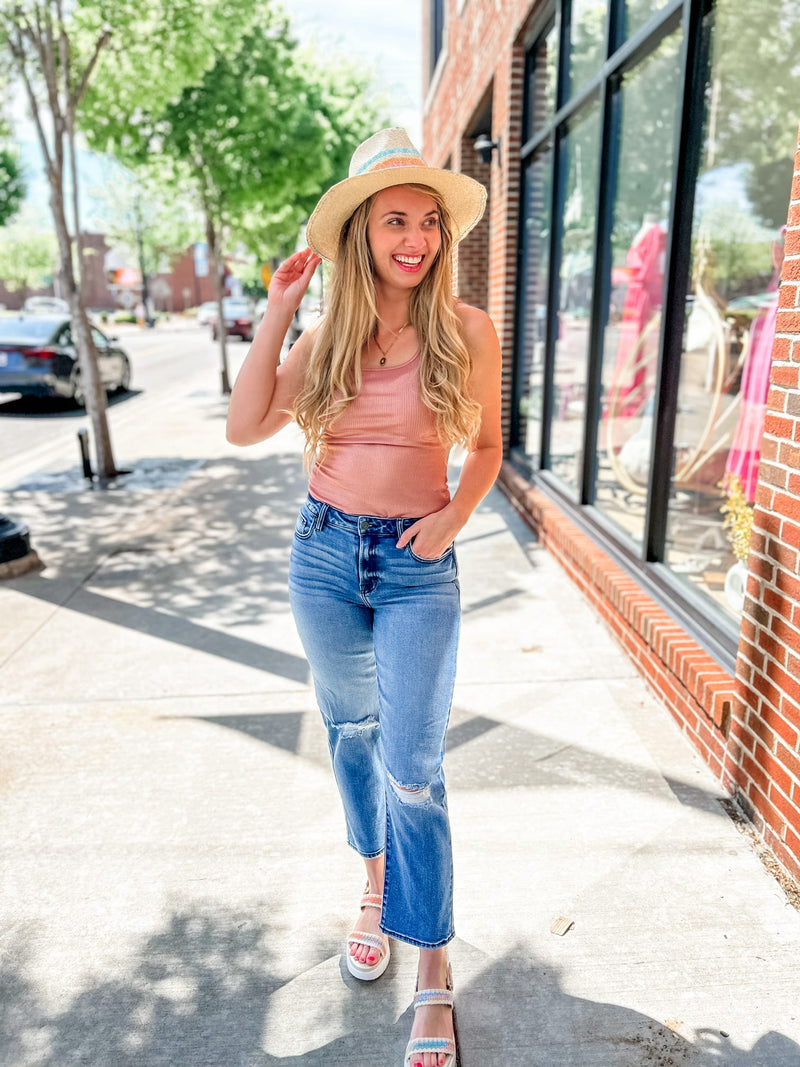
18	52
102	41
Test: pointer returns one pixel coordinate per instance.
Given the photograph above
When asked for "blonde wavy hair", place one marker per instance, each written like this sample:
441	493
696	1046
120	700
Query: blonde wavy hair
333	376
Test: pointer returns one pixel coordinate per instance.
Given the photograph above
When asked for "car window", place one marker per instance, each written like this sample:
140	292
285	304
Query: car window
26	330
65	337
100	340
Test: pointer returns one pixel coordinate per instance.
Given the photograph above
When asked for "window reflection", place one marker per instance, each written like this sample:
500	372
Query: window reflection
542	77
637	12
533	303
587	40
580	161
741	205
648	107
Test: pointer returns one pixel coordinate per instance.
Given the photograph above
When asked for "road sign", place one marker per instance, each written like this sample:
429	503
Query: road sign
201	259
266	275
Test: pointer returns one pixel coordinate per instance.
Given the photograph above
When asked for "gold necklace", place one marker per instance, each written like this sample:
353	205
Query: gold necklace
385	351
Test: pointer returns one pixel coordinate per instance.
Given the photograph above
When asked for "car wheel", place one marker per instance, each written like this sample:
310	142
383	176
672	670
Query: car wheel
125	378
76	382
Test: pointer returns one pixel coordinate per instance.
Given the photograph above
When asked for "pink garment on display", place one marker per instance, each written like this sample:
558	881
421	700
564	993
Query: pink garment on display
745	452
645	263
383	454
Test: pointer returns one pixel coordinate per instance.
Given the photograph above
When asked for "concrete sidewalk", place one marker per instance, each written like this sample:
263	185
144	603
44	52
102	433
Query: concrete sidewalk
174	886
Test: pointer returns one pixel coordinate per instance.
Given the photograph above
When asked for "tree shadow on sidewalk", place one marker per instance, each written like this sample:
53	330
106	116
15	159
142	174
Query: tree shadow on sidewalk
190	566
206	991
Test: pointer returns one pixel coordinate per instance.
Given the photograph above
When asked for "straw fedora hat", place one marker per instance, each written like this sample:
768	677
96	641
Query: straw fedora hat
385	159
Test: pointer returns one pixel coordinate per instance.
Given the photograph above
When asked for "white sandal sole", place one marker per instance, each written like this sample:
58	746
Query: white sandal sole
366	973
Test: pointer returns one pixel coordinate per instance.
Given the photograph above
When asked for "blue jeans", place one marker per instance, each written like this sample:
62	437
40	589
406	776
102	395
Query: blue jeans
380	628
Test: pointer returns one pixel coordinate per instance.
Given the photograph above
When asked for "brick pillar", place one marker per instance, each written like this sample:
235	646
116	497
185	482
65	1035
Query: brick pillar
473	252
763	760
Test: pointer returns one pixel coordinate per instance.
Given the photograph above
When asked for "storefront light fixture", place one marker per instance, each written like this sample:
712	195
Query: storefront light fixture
484	146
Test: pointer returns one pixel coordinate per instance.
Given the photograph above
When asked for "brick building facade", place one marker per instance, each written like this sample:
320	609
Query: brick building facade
633	351
177	290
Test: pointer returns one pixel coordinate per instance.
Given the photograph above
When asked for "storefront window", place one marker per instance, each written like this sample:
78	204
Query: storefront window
587	40
580	163
533	303
647	106
608	364
542	78
741	205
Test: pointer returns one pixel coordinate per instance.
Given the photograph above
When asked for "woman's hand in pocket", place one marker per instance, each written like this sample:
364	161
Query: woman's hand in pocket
433	534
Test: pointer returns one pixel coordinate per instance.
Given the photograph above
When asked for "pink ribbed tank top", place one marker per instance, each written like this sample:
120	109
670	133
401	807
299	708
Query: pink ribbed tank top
383	454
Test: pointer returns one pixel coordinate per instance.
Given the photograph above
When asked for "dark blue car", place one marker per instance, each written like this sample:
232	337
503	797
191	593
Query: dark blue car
39	358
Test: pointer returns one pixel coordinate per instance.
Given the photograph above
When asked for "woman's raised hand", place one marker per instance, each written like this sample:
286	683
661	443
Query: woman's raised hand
291	280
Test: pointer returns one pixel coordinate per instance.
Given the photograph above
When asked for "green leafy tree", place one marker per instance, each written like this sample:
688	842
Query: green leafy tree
351	108
28	256
146	219
12	184
58	51
261	135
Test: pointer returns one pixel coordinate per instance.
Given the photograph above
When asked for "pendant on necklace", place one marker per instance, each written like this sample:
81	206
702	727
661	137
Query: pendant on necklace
382	361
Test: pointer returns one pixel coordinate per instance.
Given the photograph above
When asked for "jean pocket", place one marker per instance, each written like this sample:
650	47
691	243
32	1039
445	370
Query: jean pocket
448	552
305	521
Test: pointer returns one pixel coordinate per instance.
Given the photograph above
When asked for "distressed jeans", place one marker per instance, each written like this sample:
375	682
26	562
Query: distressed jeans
380	626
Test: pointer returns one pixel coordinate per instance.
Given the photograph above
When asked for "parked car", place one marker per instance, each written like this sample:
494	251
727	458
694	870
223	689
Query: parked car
38	358
239	319
45	305
206	312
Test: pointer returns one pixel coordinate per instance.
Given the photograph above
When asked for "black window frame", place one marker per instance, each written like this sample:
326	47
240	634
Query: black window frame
718	635
438	11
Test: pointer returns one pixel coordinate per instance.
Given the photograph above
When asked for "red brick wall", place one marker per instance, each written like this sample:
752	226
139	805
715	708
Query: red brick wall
763	761
472	280
182	279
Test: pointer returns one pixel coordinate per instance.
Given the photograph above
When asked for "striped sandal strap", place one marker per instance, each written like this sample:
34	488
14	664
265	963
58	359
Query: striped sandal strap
372	900
424	997
362	937
431	1044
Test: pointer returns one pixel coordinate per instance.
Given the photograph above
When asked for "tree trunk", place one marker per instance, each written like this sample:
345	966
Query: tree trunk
216	273
82	335
38	37
93	387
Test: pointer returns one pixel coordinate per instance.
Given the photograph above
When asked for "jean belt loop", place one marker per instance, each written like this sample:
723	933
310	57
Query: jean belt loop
323	511
401	525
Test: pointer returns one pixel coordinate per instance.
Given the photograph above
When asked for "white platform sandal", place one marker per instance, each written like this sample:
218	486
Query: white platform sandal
368	972
417	1046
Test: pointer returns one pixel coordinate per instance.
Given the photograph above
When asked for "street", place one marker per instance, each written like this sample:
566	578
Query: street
37	433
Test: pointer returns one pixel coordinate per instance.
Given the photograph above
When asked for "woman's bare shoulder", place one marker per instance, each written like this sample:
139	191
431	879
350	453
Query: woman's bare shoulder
476	325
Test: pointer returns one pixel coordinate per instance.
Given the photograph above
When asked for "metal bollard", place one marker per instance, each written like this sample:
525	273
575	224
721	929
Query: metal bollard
83	443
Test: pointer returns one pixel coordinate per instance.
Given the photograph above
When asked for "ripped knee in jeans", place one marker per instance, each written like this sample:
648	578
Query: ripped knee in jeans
354	729
410	794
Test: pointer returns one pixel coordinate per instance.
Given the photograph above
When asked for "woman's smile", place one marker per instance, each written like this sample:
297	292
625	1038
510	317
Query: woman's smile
410	264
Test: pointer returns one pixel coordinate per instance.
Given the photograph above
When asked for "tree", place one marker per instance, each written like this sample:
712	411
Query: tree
56	51
145	218
28	256
259	138
12	184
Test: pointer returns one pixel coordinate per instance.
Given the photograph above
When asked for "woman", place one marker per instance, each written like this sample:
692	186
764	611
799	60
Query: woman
395	373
